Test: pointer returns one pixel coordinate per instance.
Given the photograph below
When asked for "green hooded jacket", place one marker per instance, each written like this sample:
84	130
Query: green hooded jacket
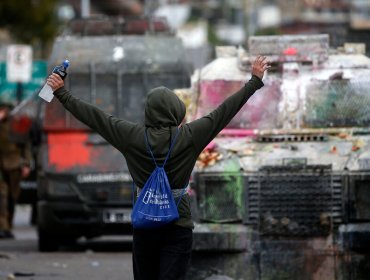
164	113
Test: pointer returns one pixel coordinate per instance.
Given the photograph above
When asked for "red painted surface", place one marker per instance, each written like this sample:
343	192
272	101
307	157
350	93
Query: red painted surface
68	150
237	132
211	146
290	51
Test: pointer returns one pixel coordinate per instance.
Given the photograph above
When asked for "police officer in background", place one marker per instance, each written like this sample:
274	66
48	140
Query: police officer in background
15	159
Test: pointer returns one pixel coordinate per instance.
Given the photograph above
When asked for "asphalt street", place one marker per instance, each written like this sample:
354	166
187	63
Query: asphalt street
107	258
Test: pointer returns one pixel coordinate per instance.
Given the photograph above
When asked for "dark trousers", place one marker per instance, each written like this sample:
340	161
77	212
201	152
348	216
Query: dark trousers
12	179
161	254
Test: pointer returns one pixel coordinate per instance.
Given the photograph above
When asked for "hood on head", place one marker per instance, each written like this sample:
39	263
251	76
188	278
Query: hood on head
163	108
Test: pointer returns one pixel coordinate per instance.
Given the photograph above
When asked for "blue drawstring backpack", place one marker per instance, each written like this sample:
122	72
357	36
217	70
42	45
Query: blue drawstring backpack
155	206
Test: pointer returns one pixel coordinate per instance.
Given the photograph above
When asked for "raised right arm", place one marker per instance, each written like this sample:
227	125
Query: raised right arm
207	127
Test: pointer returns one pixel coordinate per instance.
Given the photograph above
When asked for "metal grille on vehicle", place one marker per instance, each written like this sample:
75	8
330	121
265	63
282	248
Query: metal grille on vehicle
294	200
220	196
292	138
104	192
337	103
359	197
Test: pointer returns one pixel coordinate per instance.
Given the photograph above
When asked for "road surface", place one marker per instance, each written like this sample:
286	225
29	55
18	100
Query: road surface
107	258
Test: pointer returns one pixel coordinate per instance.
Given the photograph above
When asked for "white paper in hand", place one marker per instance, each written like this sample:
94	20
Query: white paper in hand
46	93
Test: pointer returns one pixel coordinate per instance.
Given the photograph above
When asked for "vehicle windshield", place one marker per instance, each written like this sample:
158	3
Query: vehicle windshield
316	104
260	111
337	103
122	96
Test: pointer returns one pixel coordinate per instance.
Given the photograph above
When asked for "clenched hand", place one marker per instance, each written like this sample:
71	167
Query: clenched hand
259	66
55	81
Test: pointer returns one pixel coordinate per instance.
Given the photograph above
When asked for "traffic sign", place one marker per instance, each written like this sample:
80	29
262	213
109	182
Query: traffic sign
8	90
19	63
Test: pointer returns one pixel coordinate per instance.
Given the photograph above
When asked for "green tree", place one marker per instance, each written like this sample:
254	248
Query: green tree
31	22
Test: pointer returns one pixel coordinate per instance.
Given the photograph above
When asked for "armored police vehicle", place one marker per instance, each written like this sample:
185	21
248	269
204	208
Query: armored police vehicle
283	192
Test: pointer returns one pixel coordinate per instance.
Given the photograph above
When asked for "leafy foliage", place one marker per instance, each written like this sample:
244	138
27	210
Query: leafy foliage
30	21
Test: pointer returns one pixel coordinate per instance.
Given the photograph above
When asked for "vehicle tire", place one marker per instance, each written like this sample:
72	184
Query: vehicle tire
33	217
68	240
47	242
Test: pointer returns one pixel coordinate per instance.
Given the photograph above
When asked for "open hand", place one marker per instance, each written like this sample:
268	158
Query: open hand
55	81
259	66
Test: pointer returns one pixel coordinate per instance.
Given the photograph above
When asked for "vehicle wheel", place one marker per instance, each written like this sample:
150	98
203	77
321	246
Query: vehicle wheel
33	218
47	242
68	240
